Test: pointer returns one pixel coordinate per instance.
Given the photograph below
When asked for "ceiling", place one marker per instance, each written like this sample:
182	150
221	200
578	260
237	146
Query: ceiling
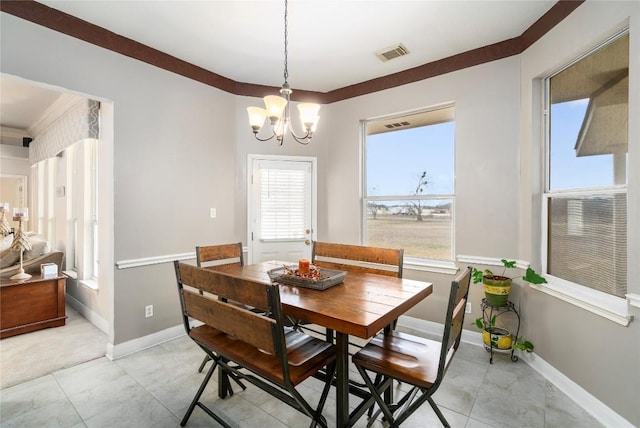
332	43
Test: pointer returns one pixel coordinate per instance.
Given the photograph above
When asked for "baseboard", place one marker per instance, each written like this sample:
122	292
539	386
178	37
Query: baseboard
583	398
89	314
123	349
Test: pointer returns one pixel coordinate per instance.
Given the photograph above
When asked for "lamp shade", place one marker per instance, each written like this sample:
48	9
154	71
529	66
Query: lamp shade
257	116
275	106
308	115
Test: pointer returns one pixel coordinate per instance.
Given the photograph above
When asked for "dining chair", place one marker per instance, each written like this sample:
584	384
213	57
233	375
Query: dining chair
255	347
355	258
419	362
218	257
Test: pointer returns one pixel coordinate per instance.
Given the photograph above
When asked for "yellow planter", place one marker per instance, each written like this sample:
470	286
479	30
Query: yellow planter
496	289
499	337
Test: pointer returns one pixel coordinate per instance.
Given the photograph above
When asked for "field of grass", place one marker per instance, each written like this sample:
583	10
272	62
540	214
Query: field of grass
430	238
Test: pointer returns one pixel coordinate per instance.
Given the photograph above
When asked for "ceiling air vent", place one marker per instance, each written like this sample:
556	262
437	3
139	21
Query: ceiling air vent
392	52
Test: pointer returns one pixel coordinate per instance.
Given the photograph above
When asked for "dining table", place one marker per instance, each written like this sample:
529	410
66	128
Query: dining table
361	305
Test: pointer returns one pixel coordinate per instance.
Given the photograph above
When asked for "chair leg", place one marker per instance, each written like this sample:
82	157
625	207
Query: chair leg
317	417
436	409
195	400
376	391
204	362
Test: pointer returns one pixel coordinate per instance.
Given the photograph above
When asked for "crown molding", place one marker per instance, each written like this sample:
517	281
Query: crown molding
56	20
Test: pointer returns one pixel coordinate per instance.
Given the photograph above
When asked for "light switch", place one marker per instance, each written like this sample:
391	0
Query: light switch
212	212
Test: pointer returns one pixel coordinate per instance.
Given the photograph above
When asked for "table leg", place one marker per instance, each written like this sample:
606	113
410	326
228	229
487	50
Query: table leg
223	381
342	379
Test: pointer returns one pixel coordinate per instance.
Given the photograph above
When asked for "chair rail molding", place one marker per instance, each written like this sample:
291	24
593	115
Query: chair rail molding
148	261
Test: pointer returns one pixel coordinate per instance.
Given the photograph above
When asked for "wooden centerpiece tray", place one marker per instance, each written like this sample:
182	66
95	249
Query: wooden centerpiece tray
328	277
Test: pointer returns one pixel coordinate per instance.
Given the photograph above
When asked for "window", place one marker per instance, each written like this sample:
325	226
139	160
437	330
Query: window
585	197
282	204
67	188
409	184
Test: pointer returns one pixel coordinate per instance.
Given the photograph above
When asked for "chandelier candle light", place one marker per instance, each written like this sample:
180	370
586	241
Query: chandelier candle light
4	224
277	108
21	240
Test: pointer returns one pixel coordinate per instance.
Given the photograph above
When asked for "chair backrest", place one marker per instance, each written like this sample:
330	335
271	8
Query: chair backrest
454	319
381	261
224	314
220	255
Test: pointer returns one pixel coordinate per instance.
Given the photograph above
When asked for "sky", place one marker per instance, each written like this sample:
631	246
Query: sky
396	160
567	170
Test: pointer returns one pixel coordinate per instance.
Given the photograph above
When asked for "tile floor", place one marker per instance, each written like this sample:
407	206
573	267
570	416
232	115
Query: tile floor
152	388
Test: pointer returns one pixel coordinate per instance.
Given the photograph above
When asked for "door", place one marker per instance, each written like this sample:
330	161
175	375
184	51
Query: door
281	207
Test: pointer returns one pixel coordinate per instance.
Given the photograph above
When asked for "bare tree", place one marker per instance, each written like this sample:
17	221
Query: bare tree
373	209
422	183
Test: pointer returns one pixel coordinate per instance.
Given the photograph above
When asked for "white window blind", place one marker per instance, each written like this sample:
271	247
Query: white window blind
282	204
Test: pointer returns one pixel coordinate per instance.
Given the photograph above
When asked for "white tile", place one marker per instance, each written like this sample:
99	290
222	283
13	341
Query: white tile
30	397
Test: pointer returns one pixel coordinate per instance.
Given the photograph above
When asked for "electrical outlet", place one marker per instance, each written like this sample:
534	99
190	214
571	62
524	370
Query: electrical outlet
468	308
212	213
148	311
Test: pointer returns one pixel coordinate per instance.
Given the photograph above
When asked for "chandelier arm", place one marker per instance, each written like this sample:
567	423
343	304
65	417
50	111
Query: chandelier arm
285	120
255	134
306	139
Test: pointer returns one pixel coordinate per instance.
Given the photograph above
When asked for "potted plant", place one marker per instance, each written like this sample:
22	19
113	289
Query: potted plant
500	338
498	287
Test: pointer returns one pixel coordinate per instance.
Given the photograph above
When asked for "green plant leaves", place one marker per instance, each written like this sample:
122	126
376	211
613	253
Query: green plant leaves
532	277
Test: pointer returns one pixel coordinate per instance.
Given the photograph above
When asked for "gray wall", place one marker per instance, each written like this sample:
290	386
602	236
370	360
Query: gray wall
601	356
180	147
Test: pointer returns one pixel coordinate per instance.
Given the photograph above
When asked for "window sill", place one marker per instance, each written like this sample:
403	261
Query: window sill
610	307
90	284
435	266
634	300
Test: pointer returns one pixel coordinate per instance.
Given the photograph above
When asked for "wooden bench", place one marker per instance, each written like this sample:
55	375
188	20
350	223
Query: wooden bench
262	350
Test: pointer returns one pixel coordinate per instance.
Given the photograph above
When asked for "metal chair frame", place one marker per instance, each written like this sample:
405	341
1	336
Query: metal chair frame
422	389
276	346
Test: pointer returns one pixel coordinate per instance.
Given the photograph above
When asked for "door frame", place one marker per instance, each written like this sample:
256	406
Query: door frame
251	158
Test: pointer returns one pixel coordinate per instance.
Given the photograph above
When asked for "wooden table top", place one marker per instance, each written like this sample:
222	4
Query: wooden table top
361	306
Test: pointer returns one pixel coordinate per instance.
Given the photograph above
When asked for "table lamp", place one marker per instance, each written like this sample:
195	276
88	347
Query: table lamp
21	240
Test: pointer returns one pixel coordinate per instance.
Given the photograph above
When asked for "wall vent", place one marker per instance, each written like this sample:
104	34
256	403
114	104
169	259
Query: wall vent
396	125
392	52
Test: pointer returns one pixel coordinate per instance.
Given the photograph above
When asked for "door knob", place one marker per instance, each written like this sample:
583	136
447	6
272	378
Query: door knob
306	241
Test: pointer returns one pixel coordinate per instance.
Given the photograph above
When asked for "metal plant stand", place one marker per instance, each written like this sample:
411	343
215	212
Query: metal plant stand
488	312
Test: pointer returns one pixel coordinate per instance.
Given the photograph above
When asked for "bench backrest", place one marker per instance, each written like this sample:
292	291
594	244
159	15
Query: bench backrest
228	313
454	320
220	255
381	261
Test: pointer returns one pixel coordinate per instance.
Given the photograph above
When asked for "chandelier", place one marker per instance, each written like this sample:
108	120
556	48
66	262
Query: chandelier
277	108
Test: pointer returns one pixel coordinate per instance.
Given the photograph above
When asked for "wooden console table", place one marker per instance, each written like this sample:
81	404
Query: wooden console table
32	304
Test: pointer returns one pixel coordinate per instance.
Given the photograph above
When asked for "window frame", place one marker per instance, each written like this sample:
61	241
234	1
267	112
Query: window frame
412	263
606	305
